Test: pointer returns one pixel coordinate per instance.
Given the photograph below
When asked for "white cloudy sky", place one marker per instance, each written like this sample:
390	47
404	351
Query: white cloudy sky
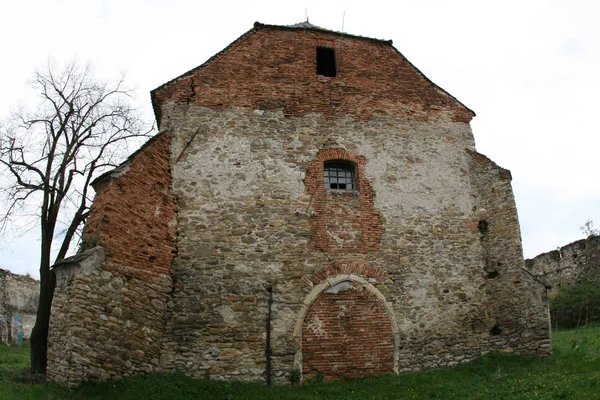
528	68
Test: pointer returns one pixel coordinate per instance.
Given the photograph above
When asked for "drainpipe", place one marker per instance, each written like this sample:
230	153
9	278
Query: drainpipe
268	347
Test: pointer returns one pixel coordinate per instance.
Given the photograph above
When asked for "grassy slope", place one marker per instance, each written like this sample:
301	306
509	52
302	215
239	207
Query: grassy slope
572	372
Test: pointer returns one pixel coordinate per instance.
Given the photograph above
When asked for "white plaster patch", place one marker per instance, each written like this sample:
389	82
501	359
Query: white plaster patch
316	325
340	287
227	313
419	296
284	322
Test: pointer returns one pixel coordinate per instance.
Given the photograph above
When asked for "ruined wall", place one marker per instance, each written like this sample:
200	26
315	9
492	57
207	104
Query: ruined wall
572	263
251	130
508	287
19	296
133	216
108	309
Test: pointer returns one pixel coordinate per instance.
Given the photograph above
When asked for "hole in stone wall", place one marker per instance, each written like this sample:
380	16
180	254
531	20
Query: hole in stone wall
326	61
446	290
483	227
492	274
496	330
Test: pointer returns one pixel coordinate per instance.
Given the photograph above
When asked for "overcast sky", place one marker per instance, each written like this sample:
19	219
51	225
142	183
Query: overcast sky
530	69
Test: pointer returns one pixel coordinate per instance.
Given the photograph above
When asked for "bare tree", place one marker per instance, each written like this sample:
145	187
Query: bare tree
81	127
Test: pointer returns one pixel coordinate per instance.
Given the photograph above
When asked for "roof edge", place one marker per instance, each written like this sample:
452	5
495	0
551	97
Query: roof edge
314	28
310	27
432	82
298	27
153	92
257	26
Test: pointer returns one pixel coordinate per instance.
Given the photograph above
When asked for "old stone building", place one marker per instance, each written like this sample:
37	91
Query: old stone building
312	201
19	297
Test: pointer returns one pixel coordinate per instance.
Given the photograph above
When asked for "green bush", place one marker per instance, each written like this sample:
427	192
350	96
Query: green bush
294	376
575	305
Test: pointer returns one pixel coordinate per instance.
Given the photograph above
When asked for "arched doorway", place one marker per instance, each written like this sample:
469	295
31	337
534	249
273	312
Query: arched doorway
347	331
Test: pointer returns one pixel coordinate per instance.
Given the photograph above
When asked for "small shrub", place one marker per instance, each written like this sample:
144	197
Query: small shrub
88	243
294	376
318	378
589	230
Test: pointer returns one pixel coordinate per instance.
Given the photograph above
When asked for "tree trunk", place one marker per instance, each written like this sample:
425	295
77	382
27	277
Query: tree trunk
587	315
39	334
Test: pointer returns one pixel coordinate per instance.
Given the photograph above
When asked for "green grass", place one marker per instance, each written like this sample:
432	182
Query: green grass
572	372
13	361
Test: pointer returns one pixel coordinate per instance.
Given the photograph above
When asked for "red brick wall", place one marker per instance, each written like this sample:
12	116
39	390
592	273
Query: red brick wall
345	221
342	220
347	334
270	68
133	217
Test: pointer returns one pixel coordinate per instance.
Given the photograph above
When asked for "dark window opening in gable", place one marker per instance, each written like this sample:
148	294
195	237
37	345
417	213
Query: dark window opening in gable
339	175
326	61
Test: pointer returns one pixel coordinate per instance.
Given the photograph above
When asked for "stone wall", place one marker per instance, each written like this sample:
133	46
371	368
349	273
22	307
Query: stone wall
239	234
572	263
507	286
19	296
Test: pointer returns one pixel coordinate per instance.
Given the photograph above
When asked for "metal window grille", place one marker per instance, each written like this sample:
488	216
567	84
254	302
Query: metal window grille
339	176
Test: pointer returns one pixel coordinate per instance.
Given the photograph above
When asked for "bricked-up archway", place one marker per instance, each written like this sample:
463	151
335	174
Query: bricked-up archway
346	330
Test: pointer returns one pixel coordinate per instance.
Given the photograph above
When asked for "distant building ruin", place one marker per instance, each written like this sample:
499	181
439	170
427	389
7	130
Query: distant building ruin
312	202
19	296
575	262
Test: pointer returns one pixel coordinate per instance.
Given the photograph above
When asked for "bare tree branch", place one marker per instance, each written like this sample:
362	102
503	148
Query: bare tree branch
49	156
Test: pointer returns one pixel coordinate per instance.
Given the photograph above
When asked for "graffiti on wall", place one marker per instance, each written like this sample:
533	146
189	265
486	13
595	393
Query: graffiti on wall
21	327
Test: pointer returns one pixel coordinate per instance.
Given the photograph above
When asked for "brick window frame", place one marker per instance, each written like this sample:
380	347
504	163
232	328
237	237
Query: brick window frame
370	223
